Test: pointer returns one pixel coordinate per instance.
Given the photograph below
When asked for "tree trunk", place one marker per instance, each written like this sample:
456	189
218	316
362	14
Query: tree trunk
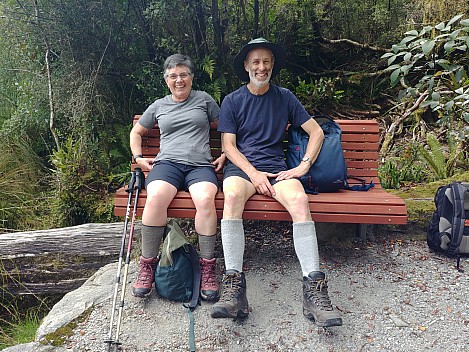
57	261
217	32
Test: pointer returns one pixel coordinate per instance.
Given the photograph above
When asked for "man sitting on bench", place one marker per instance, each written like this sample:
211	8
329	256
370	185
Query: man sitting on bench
253	120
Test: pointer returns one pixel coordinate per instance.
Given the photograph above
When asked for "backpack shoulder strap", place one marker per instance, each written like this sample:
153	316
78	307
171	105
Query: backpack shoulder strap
194	302
363	187
197	277
457	191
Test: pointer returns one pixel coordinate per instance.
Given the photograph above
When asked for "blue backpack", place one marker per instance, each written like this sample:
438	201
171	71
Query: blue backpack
329	172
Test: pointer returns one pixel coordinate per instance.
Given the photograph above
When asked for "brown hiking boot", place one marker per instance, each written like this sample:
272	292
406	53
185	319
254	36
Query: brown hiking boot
209	283
316	303
145	277
233	302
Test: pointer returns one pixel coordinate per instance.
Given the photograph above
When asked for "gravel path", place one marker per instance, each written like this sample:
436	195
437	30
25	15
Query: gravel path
393	294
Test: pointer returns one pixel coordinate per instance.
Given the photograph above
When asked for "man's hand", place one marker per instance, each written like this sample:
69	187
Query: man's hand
296	172
261	182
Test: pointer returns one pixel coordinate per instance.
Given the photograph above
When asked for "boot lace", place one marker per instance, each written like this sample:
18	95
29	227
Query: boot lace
145	273
317	292
231	286
208	274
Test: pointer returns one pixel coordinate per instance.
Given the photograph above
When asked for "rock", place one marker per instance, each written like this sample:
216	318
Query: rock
99	287
33	347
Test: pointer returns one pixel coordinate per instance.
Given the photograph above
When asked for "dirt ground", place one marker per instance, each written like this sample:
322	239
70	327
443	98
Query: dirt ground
393	294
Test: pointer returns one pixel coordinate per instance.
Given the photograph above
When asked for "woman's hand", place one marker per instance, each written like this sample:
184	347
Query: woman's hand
219	162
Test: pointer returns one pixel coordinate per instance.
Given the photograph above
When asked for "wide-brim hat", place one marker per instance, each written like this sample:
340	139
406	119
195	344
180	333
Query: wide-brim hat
277	50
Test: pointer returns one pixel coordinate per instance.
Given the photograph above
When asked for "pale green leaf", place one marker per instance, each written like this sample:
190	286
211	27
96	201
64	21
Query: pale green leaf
427	46
384	56
449	46
392	59
440	26
407	39
449	105
412	33
454	19
395	76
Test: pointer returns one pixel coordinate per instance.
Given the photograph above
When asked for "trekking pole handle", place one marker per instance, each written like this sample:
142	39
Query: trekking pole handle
139	178
130	187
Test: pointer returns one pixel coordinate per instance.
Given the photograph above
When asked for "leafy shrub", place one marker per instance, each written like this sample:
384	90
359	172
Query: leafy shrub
407	168
79	184
432	65
440	164
318	92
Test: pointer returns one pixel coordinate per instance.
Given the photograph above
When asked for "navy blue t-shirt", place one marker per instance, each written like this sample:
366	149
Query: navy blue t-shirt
259	122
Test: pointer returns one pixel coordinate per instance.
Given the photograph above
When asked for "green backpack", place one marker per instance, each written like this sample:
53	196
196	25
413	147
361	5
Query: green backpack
177	275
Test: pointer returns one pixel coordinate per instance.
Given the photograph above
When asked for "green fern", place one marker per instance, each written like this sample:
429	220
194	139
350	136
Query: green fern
208	66
440	165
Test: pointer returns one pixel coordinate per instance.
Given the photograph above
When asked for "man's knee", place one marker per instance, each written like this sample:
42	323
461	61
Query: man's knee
233	198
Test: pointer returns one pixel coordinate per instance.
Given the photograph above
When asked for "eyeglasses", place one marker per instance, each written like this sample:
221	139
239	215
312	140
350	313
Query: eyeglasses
174	77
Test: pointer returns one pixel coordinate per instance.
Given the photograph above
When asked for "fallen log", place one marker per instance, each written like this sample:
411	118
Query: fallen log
57	261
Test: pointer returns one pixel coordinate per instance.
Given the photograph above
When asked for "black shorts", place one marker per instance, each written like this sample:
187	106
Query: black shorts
181	176
231	169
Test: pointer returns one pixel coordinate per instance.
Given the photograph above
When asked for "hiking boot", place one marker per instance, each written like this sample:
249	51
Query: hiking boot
233	302
145	277
209	283
316	303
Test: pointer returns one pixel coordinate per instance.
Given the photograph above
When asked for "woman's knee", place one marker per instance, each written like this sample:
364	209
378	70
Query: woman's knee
205	200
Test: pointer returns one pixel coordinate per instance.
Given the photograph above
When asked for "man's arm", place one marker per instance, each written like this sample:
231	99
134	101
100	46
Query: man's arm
260	180
316	137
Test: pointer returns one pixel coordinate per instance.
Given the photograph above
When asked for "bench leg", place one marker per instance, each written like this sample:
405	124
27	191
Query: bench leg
361	232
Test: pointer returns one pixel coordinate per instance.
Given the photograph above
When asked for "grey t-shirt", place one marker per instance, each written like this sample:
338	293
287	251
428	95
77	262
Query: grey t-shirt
184	127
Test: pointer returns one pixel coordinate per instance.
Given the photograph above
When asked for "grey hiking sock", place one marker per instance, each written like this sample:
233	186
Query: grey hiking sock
207	246
306	246
151	240
232	237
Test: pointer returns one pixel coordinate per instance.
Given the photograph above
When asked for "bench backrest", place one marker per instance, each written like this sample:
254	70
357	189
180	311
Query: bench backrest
360	143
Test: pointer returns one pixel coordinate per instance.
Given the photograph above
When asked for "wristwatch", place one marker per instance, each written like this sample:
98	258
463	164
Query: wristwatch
137	156
306	159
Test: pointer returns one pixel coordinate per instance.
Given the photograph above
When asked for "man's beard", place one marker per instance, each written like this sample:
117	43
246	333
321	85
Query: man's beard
256	82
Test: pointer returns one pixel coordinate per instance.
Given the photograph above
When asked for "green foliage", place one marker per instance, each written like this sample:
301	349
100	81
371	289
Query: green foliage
21	180
434	62
318	92
20	316
78	184
440	164
404	169
21	329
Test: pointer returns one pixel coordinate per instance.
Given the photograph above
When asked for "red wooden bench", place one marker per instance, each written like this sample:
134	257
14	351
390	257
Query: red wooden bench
360	144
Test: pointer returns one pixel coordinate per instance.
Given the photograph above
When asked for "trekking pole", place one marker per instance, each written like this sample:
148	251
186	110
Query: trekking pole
139	178
129	190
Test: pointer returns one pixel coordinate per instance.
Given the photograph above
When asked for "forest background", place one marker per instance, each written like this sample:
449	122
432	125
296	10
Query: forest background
74	73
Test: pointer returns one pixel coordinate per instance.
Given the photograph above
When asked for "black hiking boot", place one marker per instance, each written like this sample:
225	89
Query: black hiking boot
316	303
233	302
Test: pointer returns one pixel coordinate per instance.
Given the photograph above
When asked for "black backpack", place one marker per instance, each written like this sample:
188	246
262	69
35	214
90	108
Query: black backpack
329	172
448	230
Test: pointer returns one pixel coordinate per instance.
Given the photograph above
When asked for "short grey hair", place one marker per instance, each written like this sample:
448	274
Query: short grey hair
178	60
